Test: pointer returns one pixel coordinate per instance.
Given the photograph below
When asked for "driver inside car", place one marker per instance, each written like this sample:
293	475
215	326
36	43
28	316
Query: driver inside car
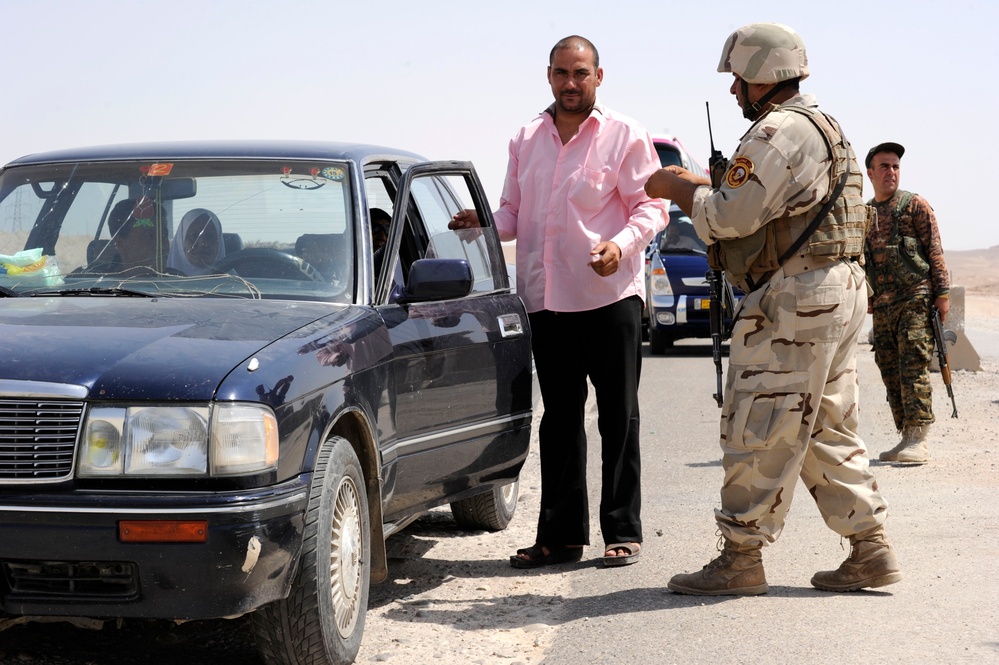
197	245
139	233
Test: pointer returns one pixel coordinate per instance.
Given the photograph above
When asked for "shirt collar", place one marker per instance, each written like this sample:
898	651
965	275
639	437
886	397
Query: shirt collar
598	111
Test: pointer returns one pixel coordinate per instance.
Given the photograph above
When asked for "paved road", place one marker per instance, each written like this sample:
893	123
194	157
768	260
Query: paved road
941	521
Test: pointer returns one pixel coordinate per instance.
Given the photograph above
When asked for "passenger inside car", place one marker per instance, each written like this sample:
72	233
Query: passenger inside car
197	244
139	235
380	221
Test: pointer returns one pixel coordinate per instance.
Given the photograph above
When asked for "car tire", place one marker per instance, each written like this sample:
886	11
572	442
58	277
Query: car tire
659	341
489	511
322	619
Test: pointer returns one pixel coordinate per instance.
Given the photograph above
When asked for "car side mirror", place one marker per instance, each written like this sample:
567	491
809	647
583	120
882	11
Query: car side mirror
437	279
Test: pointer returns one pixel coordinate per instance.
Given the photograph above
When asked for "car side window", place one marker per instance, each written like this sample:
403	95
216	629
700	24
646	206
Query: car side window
438	198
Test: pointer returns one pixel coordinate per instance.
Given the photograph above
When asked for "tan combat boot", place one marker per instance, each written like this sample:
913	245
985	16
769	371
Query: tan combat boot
892	455
737	571
917	452
912	449
872	563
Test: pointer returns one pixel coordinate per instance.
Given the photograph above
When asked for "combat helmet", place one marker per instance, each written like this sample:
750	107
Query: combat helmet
764	53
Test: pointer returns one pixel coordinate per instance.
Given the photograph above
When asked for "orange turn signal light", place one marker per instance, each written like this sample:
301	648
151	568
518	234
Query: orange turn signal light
163	531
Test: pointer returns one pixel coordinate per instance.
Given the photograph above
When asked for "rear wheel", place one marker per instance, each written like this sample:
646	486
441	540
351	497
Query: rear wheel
322	620
491	511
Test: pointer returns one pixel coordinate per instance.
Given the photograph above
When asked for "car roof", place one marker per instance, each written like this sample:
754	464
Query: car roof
674	142
257	149
669	139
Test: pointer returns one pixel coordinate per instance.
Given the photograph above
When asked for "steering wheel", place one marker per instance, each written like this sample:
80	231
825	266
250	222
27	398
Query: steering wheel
268	263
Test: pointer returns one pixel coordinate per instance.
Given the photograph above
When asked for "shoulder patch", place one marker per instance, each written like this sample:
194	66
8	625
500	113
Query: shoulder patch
739	172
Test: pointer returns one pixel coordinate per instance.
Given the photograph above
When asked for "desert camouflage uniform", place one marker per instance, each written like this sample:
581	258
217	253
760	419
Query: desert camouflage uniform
903	331
791	395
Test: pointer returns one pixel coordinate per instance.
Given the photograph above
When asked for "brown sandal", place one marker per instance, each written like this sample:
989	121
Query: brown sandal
634	550
536	557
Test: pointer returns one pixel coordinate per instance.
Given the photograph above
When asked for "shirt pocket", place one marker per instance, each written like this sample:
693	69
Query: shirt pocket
768	410
590	188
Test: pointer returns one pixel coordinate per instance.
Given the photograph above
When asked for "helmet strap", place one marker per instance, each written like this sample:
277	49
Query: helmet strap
752	111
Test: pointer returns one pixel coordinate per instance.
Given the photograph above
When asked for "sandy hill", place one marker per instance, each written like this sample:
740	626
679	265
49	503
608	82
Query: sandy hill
977	270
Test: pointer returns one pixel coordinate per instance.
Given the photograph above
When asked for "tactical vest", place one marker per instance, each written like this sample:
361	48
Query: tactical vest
840	235
905	264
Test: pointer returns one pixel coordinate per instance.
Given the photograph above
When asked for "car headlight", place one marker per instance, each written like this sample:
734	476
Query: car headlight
660	283
244	439
226	439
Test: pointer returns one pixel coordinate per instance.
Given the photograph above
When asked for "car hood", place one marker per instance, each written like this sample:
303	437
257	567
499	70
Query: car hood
148	348
684	266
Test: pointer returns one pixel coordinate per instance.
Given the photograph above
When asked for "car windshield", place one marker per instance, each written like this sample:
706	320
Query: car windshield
668	155
680	236
225	228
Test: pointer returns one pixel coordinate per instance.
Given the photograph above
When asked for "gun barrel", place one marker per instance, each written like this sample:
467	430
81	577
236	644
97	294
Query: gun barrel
717	321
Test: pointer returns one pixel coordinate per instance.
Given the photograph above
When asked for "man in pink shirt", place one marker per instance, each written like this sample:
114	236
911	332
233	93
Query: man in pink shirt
574	200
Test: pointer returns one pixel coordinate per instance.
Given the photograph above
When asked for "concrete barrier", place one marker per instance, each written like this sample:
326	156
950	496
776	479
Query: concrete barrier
960	355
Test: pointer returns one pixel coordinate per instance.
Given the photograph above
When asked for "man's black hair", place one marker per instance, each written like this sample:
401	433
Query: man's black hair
575	41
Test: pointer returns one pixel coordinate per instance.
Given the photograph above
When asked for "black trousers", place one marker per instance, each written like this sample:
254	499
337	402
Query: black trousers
605	345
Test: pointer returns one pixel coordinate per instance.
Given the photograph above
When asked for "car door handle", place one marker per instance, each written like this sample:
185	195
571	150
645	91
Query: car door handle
510	325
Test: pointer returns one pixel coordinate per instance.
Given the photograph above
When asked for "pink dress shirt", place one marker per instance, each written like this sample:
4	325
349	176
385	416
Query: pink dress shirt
559	201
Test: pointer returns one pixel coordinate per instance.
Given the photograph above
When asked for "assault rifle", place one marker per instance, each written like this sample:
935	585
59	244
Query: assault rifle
941	336
716	317
718	288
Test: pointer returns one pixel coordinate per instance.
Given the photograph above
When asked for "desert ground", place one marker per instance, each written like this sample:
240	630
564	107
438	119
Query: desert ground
452	600
399	627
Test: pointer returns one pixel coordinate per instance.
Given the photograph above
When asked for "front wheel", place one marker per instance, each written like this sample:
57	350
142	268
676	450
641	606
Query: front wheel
322	620
489	511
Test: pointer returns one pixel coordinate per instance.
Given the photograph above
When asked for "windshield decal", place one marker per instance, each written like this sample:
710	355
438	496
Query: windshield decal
301	182
334	173
158	169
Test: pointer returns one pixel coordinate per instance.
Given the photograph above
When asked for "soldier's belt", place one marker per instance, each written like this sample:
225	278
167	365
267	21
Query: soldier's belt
799	264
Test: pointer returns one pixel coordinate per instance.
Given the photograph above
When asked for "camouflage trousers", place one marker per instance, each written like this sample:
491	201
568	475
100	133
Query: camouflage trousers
903	350
791	407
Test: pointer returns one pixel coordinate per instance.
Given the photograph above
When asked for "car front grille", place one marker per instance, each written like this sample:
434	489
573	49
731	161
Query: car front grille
37	439
67	581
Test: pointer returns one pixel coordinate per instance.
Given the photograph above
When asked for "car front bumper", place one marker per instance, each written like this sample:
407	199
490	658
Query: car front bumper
683	315
60	555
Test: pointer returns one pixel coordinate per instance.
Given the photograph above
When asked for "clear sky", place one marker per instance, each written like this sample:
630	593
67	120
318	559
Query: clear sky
454	79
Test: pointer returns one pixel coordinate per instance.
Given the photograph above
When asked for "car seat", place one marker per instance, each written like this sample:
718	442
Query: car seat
102	255
232	242
323	251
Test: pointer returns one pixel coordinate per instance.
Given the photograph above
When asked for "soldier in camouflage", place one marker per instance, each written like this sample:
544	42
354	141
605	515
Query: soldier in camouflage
790	407
906	270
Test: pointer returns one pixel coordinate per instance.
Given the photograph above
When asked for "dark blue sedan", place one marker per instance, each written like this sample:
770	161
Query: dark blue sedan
218	396
677	293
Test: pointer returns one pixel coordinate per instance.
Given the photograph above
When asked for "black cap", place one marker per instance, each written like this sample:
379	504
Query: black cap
884	147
